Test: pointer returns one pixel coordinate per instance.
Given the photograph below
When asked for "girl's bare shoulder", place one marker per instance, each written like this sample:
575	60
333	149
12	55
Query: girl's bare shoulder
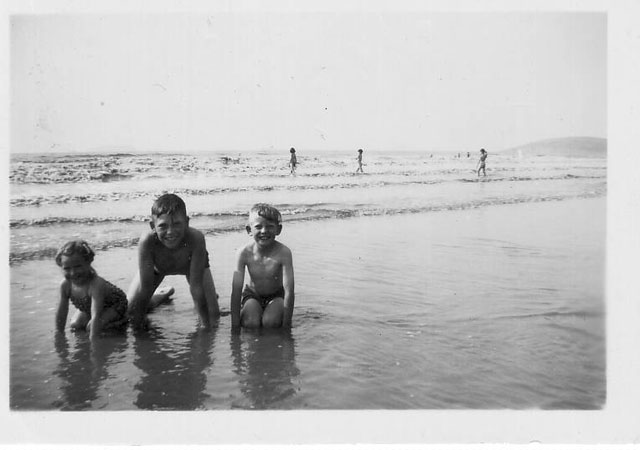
65	286
98	285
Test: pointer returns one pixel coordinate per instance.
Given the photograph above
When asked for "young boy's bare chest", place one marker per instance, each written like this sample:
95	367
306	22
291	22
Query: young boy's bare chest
264	267
172	261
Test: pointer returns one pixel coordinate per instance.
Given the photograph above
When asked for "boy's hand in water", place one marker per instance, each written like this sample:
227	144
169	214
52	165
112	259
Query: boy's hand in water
140	324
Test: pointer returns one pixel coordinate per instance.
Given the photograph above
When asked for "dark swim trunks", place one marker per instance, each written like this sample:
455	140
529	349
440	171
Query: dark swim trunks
264	300
115	298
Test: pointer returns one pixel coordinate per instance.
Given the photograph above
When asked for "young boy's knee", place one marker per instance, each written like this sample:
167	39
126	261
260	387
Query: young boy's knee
251	314
272	317
272	321
251	321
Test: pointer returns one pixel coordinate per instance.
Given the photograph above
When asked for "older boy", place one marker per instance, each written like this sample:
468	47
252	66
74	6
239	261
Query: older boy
172	248
269	297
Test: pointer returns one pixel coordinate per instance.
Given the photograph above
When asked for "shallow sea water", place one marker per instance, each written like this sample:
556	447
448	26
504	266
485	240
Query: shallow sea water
490	307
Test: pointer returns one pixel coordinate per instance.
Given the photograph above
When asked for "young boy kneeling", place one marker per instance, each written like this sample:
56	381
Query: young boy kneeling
268	299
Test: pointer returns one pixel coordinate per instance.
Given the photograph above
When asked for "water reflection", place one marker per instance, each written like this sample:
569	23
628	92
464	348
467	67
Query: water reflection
83	369
173	375
264	360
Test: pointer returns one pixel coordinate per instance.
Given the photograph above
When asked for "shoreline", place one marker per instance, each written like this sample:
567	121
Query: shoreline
233	223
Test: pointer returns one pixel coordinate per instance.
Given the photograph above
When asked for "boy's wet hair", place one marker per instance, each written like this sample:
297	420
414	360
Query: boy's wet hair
78	247
293	150
168	204
266	211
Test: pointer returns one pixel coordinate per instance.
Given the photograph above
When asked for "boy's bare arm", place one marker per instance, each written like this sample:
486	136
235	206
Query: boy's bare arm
63	306
146	266
196	273
289	286
236	287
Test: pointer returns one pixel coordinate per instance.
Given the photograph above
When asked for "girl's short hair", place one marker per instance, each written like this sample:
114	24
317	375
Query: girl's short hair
267	211
78	247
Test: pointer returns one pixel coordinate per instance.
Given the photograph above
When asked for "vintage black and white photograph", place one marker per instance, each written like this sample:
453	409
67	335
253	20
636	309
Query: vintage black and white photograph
308	210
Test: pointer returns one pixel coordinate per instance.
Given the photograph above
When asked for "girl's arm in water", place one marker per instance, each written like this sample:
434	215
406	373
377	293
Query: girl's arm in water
97	306
63	306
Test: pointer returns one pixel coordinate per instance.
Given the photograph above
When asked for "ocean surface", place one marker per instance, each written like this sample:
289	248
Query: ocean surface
418	284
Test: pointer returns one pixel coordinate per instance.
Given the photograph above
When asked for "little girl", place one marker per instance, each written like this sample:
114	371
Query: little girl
100	304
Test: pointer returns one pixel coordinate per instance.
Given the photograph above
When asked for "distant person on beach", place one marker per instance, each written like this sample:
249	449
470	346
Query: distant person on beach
268	299
293	162
172	247
100	305
481	162
359	158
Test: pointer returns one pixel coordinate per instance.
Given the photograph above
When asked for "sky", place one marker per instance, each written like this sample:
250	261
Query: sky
245	81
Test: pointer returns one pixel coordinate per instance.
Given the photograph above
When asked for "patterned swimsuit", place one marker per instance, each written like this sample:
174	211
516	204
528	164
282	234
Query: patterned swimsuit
115	298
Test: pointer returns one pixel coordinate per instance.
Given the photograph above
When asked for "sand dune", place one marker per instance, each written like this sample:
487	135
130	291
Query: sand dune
573	147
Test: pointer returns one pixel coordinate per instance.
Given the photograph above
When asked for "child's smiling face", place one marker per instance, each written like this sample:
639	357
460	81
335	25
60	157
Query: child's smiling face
76	268
263	231
170	229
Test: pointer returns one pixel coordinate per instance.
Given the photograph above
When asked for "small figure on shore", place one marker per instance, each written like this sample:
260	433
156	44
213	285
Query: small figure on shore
481	162
100	304
359	158
268	299
172	247
468	155
293	161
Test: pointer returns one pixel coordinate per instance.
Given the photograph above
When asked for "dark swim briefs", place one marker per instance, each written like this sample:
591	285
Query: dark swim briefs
264	300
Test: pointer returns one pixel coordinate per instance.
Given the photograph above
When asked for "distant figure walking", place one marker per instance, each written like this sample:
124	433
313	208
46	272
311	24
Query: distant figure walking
293	162
359	158
481	162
